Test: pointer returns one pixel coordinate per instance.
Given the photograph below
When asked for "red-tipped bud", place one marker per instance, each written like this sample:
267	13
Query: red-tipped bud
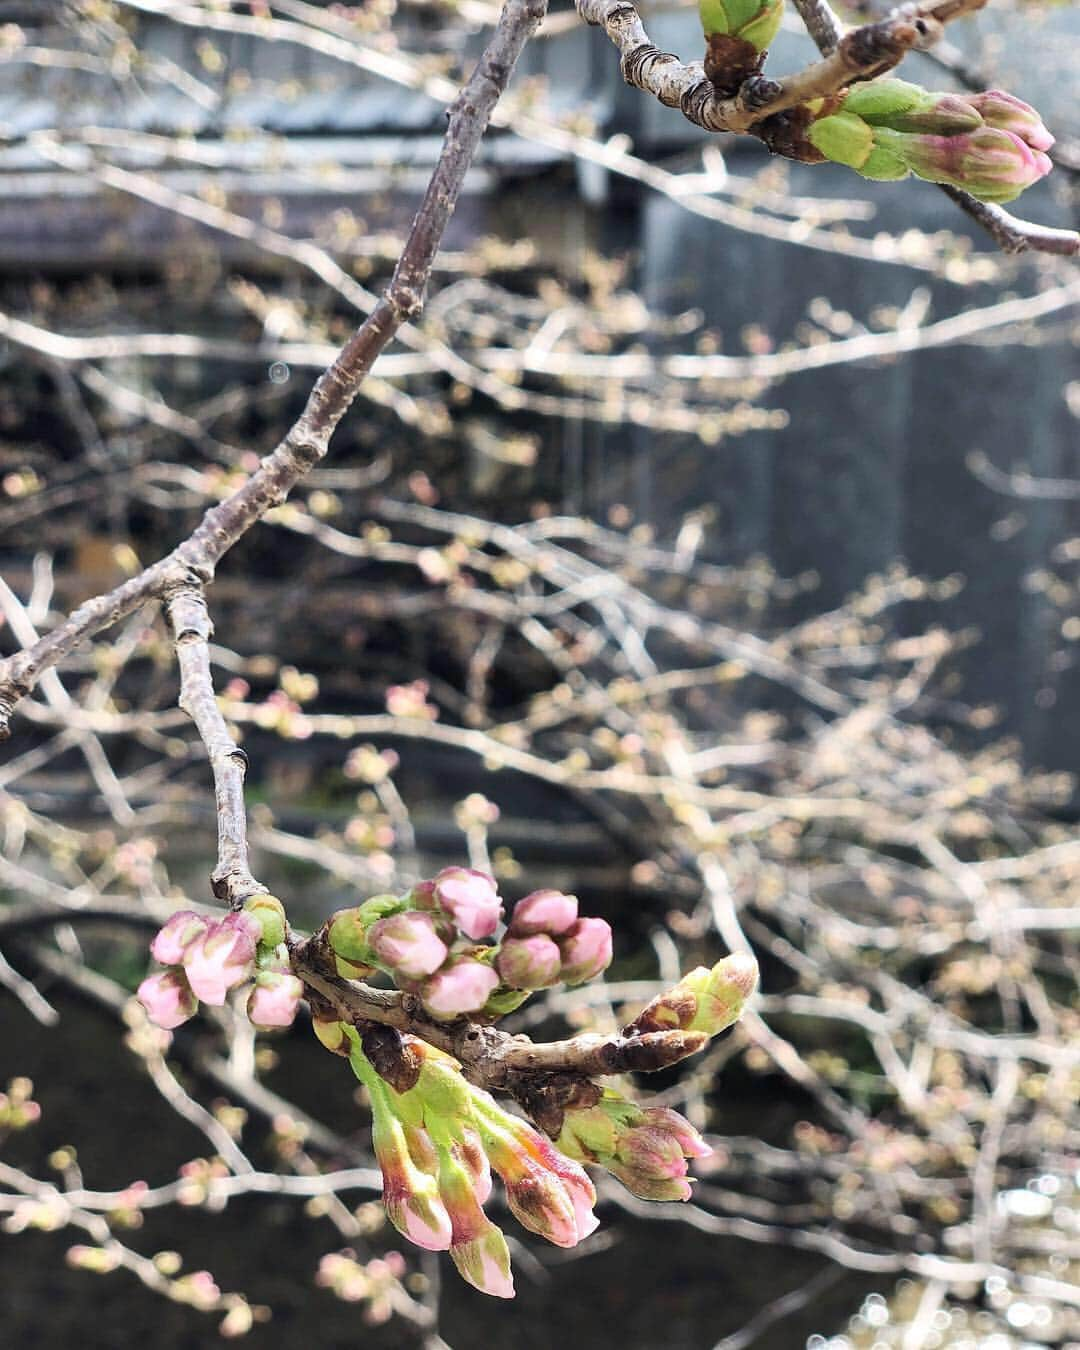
529	962
548	912
586	950
1006	112
471	900
484	1262
177	936
461	987
168	999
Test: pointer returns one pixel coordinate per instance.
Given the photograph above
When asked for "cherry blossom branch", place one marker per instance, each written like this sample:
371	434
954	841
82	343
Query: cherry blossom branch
308	440
1009	232
860	53
185	609
822	23
544	1078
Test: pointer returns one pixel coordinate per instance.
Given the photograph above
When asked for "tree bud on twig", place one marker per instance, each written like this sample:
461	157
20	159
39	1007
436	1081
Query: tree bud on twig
586	950
548	912
407	944
177	936
992	145
222	958
704	1000
269	913
646	1149
470	899
168	998
462	986
529	962
274	1000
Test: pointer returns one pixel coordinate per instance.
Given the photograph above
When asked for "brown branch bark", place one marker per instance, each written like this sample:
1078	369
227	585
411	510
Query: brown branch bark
544	1078
185	609
308	440
859	54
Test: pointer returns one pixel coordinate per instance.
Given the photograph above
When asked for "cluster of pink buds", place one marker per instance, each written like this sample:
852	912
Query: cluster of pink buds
548	944
428	941
18	1110
647	1148
207	958
993	145
375	1283
437	1143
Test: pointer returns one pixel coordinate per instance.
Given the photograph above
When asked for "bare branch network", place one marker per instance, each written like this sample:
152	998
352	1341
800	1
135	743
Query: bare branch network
737	822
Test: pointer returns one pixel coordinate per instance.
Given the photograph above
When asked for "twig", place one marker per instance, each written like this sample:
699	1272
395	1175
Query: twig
860	53
308	440
185	609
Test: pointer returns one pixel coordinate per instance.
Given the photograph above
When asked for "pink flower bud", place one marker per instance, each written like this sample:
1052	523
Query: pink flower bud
547	1193
1006	112
461	987
410	1196
548	912
652	1152
471	900
471	1152
679	1128
177	935
484	1262
586	950
222	958
529	962
408	944
995	166
275	999
167	998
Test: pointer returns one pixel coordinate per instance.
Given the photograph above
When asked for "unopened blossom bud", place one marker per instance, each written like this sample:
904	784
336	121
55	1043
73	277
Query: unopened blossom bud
908	107
646	1150
471	900
95	1259
222	958
458	1192
407	944
547	1192
703	1000
462	986
586	950
347	930
484	1262
168	998
754	21
410	1196
679	1128
470	1150
994	166
275	999
440	1086
529	962
269	913
1006	112
991	145
548	912
177	936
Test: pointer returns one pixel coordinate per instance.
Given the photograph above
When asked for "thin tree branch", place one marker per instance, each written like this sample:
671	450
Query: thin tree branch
860	53
189	620
308	439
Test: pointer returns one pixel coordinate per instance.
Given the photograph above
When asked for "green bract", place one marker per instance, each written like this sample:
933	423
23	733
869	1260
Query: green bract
754	21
